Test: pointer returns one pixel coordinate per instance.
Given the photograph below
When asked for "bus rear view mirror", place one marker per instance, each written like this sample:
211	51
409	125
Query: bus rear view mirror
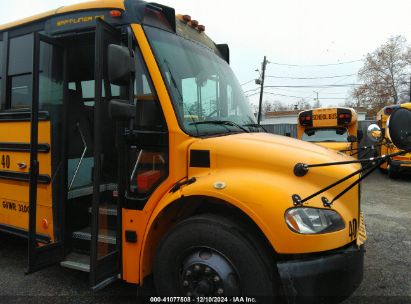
121	110
374	133
120	65
399	127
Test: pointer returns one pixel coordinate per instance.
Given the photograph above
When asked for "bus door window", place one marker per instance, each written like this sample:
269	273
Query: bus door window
80	124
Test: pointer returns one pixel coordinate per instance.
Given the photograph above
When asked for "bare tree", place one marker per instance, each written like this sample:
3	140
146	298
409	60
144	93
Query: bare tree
303	105
384	74
317	103
266	107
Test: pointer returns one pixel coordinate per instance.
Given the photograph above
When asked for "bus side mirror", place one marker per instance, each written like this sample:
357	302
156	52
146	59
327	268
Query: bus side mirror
374	133
351	138
360	135
399	128
120	65
121	110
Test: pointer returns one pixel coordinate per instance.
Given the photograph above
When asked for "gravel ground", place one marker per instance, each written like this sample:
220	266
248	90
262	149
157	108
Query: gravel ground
386	205
387	279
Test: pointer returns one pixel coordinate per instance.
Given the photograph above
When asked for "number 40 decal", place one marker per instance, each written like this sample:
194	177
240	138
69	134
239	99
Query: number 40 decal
5	161
352	232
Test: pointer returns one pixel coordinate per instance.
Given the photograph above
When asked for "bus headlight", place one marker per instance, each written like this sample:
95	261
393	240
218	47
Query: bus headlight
313	220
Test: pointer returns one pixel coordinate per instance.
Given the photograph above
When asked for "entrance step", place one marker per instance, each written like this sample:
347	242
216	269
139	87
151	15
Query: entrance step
105	235
77	261
107	209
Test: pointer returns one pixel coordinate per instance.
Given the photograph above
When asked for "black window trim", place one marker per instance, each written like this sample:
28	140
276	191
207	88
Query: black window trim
4	71
31	28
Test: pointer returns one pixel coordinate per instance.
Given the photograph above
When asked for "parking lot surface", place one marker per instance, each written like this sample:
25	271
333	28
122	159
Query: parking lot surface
387	277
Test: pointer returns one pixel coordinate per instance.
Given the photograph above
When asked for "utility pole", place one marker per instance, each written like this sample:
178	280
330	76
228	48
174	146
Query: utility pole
316	92
264	64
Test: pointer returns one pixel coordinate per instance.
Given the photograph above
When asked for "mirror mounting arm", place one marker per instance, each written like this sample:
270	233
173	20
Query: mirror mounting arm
301	168
372	164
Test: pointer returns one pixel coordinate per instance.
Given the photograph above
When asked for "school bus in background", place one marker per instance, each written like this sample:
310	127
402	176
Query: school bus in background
333	128
397	164
129	150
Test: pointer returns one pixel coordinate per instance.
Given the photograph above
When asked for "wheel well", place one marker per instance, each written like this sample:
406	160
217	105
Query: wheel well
195	205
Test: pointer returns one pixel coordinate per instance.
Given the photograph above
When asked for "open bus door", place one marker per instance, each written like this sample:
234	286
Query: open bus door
44	253
105	256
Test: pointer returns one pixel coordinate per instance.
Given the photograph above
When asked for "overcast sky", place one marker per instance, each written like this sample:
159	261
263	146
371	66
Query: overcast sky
294	32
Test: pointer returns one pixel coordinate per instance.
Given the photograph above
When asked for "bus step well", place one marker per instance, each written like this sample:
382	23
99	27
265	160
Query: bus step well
107	236
77	261
106	210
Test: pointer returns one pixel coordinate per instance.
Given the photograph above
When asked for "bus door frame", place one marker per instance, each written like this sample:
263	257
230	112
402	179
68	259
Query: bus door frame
48	254
103	271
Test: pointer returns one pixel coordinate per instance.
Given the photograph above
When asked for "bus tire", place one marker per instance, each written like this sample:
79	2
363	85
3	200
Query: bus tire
212	256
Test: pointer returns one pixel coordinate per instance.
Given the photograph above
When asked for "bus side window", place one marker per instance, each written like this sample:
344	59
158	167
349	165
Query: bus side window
148	162
20	71
149	115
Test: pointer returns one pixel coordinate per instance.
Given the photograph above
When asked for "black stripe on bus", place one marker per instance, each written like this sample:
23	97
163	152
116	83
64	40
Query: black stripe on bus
22	116
22	147
41	238
24	177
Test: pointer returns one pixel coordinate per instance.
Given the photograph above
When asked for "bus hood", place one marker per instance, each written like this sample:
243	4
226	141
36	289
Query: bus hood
270	152
337	146
256	172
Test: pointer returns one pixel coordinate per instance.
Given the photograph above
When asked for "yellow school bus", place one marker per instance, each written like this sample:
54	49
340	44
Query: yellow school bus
397	164
333	128
129	151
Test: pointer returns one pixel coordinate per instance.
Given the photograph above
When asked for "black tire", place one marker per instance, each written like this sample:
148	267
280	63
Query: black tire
213	237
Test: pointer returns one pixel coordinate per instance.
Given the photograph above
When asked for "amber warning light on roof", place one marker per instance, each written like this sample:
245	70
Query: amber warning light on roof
192	23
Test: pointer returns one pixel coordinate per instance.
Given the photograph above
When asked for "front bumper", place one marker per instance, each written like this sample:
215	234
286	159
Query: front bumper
401	165
322	278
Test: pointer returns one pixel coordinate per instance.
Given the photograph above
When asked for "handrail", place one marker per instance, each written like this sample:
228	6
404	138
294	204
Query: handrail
82	156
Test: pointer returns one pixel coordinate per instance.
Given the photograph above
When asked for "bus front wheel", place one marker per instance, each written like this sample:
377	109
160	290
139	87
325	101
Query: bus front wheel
208	255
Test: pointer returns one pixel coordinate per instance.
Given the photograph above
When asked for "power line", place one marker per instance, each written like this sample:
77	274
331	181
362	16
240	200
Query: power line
302	91
297	90
251	90
270	93
247	82
325	77
316	86
316	65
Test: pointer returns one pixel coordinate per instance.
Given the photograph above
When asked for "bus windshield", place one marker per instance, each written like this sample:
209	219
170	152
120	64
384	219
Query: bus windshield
206	95
326	135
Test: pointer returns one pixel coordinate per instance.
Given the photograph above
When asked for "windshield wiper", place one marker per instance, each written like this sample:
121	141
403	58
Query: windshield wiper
254	125
220	122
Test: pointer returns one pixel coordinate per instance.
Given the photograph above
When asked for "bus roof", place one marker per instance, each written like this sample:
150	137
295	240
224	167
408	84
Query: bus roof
97	4
181	27
327	109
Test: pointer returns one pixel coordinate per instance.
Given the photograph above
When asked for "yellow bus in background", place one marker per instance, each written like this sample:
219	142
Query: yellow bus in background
397	164
333	128
128	150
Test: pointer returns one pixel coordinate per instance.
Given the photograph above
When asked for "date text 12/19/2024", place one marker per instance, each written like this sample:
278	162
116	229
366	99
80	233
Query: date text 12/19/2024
203	300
